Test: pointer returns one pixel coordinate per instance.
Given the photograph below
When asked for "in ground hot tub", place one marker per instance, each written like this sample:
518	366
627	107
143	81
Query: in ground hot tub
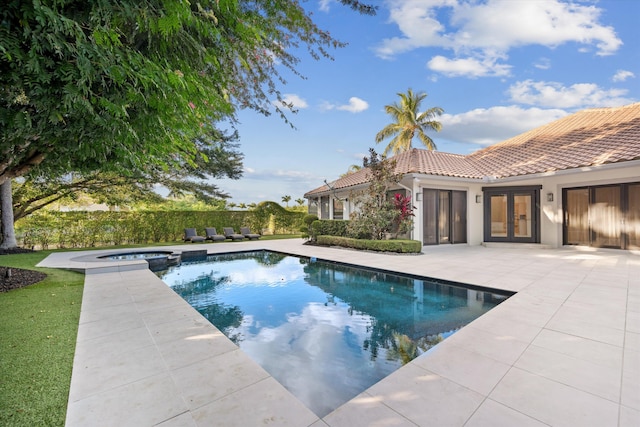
157	260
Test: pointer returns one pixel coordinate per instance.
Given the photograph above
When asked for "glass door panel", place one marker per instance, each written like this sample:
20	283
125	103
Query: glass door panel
522	219
443	220
429	223
512	215
445	216
606	215
459	217
577	216
498	203
632	223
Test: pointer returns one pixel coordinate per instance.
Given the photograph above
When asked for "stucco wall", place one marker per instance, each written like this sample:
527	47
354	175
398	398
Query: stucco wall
550	211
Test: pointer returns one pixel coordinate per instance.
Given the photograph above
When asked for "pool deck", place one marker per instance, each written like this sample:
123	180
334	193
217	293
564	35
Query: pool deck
563	351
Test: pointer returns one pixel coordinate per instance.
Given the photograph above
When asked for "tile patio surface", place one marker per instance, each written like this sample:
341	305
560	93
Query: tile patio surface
563	351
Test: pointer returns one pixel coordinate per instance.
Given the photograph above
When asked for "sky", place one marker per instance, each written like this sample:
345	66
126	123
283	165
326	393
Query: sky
497	68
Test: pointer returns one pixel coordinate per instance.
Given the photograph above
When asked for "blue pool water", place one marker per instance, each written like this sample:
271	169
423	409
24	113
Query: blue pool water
325	331
128	256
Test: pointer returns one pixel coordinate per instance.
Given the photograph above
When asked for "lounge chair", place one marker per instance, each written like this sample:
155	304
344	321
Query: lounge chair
213	235
191	235
230	234
246	232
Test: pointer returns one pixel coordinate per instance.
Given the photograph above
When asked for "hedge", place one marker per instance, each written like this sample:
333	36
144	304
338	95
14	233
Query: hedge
88	229
329	227
396	245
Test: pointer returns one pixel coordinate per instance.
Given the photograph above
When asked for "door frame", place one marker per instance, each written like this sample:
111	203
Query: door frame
510	192
455	235
625	213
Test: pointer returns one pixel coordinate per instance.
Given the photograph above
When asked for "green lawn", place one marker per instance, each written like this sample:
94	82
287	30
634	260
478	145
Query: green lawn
38	328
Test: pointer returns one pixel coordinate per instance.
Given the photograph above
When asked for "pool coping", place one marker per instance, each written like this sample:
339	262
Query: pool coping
522	363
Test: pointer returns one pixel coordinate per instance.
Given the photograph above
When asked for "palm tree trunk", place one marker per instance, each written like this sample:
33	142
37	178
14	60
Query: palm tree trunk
6	209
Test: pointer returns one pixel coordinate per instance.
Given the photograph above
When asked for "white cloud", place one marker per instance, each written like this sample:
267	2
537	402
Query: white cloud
622	75
543	63
260	185
298	103
324	5
487	126
470	67
489	29
279	174
499	24
555	95
418	23
355	105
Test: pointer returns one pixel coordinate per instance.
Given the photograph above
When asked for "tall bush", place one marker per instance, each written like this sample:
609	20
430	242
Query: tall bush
375	215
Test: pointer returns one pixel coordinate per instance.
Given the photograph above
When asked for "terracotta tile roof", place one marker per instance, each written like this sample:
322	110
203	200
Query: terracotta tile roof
587	138
435	163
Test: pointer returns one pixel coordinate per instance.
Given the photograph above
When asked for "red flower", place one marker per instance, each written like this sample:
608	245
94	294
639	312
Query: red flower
403	204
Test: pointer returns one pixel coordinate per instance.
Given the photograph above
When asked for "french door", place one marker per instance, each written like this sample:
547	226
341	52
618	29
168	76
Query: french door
511	214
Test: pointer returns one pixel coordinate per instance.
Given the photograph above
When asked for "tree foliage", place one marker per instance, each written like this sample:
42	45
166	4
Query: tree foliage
133	85
375	213
39	189
409	122
99	84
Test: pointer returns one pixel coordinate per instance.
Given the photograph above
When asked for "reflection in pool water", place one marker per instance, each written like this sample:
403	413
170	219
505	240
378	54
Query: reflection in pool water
136	255
326	331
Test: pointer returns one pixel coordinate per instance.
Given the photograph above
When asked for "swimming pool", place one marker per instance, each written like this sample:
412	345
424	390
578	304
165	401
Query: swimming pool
326	331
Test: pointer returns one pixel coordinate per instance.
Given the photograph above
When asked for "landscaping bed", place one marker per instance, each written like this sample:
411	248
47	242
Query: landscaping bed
14	278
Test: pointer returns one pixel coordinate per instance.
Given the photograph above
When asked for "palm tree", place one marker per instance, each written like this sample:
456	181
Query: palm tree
286	199
301	201
408	122
352	169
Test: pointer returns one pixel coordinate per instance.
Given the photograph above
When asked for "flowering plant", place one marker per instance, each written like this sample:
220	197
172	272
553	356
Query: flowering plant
403	205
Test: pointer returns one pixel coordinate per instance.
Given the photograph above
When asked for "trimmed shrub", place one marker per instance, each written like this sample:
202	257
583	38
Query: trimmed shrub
305	229
329	227
399	246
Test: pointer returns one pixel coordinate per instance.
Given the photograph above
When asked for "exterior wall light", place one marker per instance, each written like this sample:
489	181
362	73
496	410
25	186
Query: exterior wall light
549	197
478	198
419	196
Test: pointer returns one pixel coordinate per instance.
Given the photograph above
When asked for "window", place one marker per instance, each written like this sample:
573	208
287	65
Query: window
338	209
324	207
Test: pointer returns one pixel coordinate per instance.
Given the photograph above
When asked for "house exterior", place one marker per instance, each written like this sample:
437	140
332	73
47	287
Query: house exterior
575	181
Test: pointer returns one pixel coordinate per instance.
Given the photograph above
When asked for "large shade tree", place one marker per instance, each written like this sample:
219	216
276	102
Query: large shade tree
132	85
409	122
38	189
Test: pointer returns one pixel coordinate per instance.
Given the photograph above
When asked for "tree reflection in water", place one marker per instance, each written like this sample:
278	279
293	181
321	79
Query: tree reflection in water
227	317
326	331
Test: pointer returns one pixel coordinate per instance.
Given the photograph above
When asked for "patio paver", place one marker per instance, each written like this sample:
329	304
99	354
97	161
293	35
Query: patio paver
565	350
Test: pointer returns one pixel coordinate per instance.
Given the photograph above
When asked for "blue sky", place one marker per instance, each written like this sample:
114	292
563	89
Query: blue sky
497	67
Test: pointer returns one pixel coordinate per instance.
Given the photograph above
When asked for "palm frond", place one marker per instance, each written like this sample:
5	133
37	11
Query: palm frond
407	120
